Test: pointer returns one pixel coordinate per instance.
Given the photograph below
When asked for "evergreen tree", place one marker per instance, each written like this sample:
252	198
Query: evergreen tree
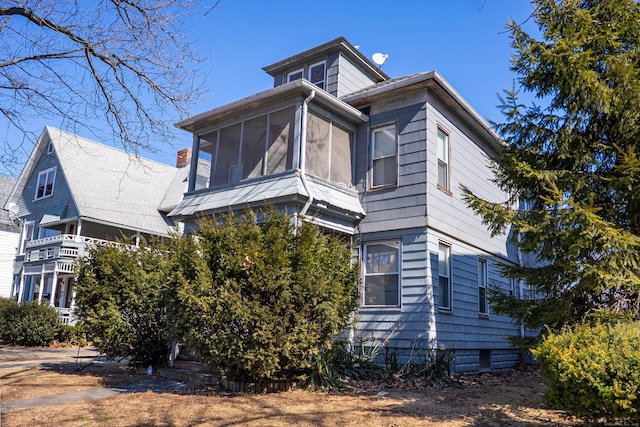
121	302
261	300
573	164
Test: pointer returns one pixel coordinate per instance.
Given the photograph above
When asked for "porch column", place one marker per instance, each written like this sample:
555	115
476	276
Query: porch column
42	283
54	285
21	287
79	227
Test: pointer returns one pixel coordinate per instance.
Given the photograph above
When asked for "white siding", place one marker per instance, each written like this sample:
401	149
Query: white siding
8	247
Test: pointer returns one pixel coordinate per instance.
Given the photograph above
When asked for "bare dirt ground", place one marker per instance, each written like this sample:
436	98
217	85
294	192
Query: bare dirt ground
511	399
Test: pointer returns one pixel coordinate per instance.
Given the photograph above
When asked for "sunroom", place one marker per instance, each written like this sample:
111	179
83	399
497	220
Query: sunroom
291	147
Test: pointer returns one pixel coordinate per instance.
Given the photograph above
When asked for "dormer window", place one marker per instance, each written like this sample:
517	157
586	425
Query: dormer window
295	75
46	179
317	74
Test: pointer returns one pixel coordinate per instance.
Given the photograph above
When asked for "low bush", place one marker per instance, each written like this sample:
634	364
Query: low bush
29	324
593	371
71	335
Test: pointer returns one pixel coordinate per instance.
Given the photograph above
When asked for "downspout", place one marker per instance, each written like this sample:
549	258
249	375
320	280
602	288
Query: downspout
303	153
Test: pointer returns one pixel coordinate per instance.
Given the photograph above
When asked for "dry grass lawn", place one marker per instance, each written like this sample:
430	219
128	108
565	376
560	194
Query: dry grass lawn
514	399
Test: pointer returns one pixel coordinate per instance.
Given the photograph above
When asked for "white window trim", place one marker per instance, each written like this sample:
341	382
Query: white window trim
301	71
447	163
483	267
373	158
324	74
24	238
398	242
45	173
449	277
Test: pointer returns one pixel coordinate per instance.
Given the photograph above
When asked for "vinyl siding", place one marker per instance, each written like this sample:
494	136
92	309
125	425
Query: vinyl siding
413	321
346	78
422	215
403	206
470	166
59	204
463	329
8	246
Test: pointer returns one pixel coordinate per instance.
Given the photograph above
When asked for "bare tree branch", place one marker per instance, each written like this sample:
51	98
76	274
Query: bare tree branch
120	69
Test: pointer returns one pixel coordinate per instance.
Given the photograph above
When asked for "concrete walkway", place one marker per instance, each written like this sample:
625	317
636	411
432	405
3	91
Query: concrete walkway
12	357
156	384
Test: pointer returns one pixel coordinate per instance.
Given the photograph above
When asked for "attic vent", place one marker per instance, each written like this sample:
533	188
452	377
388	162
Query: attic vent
49	148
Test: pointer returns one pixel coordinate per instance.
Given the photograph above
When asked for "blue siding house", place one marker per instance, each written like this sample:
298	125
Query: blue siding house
74	192
381	160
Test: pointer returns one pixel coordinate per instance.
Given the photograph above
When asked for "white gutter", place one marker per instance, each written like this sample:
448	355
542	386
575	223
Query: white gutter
303	152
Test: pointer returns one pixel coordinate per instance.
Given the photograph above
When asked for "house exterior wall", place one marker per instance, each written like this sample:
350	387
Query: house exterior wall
351	78
8	244
411	219
59	204
421	216
403	206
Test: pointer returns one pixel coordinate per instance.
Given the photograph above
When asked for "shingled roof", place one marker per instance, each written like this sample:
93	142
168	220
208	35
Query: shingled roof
109	185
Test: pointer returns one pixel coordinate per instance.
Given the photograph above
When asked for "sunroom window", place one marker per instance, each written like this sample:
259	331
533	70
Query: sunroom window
328	150
261	145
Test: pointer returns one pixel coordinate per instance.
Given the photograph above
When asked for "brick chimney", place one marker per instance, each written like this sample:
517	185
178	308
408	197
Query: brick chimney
184	158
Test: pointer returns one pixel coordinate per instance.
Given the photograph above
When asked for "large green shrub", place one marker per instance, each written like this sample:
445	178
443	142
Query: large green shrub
5	304
262	300
120	300
28	324
594	371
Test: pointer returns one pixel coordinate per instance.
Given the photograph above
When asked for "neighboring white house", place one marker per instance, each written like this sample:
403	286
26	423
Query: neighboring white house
9	236
381	160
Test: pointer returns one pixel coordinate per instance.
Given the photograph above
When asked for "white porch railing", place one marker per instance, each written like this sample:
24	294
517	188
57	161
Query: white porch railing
67	238
59	267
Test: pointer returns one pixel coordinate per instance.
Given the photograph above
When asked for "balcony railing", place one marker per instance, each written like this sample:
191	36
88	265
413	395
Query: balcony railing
62	246
66	238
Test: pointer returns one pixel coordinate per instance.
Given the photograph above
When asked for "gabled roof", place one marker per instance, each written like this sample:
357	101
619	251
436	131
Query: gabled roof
108	185
340	44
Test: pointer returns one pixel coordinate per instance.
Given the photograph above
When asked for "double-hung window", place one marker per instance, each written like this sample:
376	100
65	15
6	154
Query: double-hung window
444	276
384	165
295	75
44	187
483	307
381	274
443	160
317	74
27	235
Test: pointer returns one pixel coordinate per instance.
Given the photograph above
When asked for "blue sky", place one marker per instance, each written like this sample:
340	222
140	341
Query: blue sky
464	40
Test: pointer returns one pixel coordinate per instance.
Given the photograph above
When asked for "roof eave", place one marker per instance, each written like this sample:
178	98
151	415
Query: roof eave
434	80
340	44
301	85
